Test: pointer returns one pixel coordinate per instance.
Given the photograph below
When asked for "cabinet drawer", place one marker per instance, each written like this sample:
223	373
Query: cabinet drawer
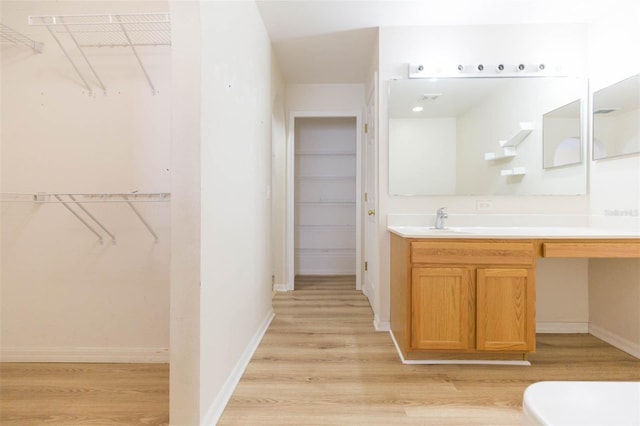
477	253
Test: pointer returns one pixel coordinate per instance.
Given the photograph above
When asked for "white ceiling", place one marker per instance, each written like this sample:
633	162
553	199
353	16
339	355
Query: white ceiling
328	41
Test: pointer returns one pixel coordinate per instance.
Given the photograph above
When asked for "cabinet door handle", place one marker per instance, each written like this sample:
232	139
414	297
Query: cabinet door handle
371	212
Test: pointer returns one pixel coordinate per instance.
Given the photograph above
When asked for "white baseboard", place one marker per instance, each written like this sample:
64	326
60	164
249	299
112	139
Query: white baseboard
632	348
220	402
280	287
88	354
453	361
562	327
381	325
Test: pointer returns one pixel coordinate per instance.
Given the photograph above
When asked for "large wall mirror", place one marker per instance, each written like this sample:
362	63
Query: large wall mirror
616	119
484	136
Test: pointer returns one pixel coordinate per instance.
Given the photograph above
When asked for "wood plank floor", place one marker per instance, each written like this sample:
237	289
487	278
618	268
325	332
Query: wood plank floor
320	362
84	394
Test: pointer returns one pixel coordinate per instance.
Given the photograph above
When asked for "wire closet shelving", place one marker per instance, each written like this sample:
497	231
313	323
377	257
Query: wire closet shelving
10	36
83	214
107	30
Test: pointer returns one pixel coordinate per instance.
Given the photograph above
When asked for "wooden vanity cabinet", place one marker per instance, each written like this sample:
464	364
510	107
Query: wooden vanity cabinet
463	299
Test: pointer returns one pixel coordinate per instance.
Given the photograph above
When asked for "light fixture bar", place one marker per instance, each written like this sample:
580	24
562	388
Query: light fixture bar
480	69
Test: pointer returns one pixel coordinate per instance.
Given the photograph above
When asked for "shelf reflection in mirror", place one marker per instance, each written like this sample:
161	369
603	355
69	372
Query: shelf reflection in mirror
472	130
616	119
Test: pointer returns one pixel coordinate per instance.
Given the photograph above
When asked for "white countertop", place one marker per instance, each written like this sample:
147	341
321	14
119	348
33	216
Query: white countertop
511	232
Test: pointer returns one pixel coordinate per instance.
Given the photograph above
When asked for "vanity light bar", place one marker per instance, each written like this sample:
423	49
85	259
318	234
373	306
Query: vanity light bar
478	70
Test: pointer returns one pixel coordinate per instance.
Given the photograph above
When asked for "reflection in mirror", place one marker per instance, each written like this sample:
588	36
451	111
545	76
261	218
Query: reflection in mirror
616	119
477	136
561	142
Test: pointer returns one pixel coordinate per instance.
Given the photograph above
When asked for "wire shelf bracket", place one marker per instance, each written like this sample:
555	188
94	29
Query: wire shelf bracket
10	36
77	216
108	30
79	200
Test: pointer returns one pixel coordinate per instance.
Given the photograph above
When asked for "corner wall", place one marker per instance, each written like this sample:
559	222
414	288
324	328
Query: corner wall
236	116
614	284
184	380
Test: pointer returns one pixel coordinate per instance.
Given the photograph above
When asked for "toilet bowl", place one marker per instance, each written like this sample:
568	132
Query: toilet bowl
582	403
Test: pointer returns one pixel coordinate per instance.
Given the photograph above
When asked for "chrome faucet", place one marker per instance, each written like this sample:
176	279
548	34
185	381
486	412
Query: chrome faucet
441	215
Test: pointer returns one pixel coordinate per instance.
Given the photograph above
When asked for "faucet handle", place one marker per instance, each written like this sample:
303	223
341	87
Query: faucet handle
442	211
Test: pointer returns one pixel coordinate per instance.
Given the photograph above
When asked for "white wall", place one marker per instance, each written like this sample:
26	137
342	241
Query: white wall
184	393
549	44
423	145
65	297
235	298
614	285
324	97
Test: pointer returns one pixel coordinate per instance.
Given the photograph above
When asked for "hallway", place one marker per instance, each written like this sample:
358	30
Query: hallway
321	362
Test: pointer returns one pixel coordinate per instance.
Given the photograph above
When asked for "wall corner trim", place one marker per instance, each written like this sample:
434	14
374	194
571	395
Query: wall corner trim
218	405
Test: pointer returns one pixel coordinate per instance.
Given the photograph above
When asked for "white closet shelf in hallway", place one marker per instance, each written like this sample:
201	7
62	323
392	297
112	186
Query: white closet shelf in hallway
78	200
130	30
327	153
12	37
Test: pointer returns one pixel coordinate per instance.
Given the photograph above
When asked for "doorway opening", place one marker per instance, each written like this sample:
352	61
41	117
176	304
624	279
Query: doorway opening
323	197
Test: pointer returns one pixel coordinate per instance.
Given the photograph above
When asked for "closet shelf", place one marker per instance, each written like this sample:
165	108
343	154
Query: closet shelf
100	197
326	178
10	36
326	202
325	153
107	30
327	227
83	214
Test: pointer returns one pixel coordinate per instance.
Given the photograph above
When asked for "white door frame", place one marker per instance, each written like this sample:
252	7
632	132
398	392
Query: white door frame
290	189
370	186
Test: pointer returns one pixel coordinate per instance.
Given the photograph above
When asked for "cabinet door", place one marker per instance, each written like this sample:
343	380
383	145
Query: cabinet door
441	307
505	309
